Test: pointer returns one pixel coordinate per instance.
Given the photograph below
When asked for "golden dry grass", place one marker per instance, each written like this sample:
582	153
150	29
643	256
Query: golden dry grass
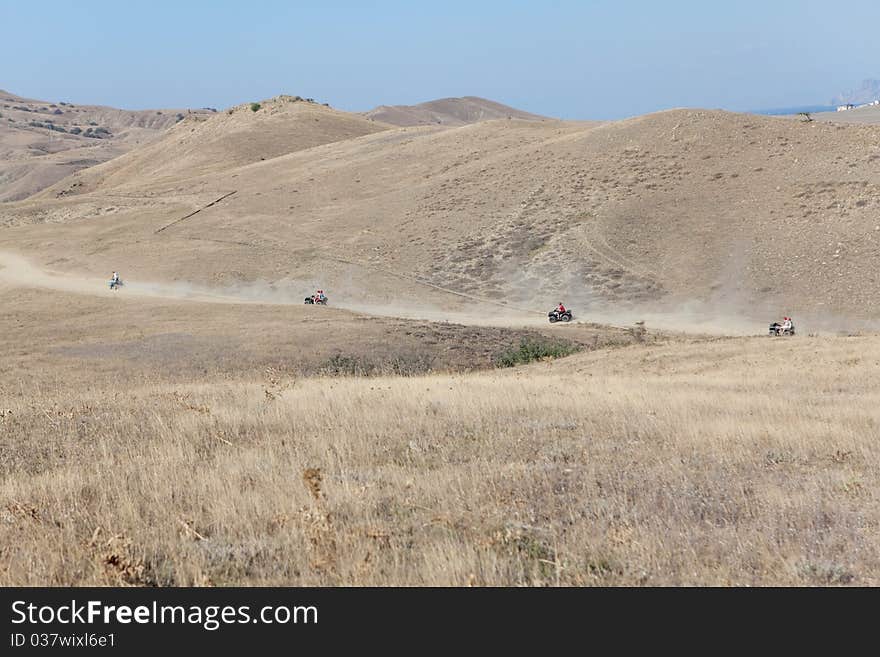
746	461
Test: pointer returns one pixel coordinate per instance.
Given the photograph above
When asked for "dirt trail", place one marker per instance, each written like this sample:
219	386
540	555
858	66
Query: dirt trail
18	271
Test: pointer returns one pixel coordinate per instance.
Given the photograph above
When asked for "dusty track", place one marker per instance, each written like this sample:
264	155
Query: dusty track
18	271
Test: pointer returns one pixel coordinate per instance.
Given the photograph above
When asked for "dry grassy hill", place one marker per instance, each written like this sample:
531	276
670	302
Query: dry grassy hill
448	111
704	213
42	142
240	135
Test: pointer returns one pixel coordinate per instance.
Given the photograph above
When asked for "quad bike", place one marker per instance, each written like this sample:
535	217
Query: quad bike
556	316
312	300
777	329
115	284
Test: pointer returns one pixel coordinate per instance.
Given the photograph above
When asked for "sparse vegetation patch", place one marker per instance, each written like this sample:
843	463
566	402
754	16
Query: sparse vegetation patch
401	364
532	349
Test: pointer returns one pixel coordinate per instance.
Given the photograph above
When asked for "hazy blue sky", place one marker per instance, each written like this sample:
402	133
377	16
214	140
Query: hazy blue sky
598	59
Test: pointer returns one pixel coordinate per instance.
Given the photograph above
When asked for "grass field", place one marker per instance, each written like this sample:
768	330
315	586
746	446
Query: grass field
736	461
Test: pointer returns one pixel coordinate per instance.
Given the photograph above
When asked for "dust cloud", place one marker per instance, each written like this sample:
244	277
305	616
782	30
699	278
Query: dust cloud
523	303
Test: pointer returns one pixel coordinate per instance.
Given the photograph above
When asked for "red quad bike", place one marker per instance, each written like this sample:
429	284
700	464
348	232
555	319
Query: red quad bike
556	316
314	299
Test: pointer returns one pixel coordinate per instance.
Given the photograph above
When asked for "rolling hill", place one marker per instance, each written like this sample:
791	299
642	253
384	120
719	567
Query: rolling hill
238	136
448	111
697	214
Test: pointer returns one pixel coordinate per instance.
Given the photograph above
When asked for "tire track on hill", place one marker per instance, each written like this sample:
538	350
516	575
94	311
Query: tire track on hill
195	212
633	265
422	282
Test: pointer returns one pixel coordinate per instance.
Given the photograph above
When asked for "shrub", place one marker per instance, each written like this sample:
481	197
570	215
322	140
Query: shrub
638	332
406	364
255	107
97	133
531	349
46	126
340	364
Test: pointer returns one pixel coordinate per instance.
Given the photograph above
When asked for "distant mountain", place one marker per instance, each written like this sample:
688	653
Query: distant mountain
867	93
43	141
448	111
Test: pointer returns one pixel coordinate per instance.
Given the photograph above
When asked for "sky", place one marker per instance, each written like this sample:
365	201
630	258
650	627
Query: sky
575	60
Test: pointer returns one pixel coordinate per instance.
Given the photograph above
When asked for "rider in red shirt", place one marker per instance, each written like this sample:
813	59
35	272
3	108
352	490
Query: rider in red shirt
560	308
